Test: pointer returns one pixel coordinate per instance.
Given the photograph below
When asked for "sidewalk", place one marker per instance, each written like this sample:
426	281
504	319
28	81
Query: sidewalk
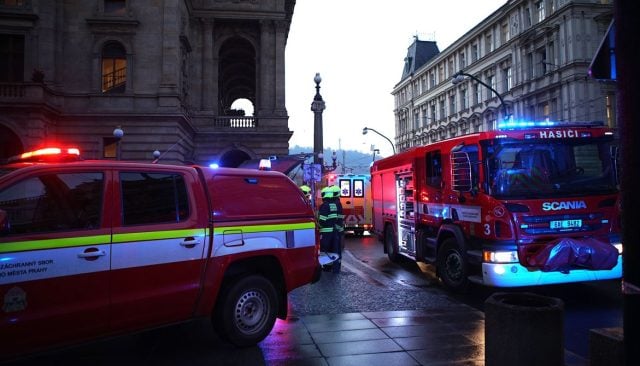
451	336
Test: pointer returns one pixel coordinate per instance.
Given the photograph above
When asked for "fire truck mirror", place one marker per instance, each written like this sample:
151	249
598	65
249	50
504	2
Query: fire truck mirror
614	153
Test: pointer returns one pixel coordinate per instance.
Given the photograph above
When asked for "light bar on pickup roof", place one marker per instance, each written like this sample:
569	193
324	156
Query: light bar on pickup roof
47	153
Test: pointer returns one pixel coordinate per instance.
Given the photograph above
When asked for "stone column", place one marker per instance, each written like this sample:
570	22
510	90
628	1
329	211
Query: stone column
170	49
279	60
265	73
208	86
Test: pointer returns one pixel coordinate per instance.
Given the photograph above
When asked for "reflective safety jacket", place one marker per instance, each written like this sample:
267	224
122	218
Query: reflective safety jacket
330	217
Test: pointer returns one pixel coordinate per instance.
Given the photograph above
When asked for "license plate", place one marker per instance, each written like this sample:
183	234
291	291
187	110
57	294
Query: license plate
565	224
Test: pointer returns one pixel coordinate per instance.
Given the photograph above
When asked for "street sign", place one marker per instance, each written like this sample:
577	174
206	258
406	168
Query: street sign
317	172
312	173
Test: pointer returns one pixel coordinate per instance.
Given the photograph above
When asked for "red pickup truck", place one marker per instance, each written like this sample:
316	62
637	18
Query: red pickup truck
96	248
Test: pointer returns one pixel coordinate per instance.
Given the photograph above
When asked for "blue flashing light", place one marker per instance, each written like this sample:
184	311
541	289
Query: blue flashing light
512	125
214	166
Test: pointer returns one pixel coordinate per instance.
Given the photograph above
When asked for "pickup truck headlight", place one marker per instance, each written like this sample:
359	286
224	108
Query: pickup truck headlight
510	256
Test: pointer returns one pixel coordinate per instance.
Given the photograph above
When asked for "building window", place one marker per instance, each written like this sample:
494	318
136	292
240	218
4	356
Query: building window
109	147
505	33
463	99
491	81
540	10
529	66
432	79
474	52
550	57
488	43
545	110
542	60
508	80
115	7
527	17
443	110
114	68
433	113
477	92
11	57
463	61
452	104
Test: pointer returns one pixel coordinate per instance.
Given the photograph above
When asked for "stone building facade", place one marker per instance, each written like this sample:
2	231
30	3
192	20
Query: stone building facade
166	72
534	53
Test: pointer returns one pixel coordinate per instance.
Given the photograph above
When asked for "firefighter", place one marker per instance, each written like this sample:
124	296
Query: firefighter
339	245
328	222
307	191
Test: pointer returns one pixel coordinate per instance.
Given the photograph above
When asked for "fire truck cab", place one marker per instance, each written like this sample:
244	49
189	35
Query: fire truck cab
527	204
93	248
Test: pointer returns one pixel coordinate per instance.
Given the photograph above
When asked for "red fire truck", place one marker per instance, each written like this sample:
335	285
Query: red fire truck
96	248
355	197
527	204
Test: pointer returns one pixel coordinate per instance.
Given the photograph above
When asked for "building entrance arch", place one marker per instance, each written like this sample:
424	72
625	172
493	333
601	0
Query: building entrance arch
233	158
10	143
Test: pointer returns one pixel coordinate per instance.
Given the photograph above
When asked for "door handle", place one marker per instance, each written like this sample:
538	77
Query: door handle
92	254
190	242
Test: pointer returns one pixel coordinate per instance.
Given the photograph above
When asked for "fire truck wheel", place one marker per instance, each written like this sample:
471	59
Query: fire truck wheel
452	267
247	311
389	245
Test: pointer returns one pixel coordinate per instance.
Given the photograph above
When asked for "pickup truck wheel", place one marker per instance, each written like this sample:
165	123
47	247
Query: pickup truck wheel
452	266
247	311
390	245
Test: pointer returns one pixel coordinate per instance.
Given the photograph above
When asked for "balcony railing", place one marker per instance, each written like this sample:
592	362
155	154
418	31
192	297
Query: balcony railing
235	122
12	90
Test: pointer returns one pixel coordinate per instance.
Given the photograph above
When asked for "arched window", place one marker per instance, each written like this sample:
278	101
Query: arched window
114	68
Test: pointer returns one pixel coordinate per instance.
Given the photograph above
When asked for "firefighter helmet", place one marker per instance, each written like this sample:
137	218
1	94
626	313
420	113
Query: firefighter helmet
335	190
326	192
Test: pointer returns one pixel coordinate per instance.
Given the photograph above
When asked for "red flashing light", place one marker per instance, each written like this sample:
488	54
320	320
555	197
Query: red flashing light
48	153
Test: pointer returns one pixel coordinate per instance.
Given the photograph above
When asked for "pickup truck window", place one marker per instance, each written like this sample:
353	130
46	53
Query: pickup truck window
149	198
53	202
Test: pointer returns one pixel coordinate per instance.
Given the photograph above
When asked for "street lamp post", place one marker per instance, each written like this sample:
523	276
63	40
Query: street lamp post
458	77
317	106
118	133
367	129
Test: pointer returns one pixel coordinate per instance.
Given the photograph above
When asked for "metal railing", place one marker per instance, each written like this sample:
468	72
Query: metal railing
114	79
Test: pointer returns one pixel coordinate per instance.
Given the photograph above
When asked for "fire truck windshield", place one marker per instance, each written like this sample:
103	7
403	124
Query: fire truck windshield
543	168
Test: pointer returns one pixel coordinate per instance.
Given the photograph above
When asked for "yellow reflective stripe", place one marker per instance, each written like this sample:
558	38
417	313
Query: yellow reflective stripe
156	235
263	228
21	246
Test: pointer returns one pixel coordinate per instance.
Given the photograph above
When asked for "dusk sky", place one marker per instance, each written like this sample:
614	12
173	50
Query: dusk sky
358	47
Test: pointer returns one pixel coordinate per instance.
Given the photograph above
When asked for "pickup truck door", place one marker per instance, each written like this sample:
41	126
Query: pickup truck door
159	241
54	258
